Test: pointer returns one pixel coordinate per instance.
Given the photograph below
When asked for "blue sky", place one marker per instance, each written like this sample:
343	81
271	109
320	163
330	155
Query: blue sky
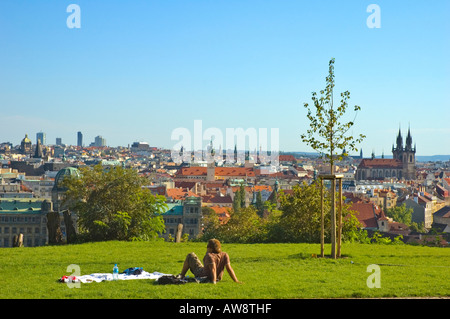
137	70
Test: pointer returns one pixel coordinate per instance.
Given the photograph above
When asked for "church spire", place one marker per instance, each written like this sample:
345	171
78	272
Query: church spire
408	146
399	140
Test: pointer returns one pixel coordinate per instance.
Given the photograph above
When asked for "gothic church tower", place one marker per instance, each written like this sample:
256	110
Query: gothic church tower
407	155
409	158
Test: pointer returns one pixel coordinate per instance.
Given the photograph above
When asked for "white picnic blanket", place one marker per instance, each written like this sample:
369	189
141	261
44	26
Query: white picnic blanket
99	277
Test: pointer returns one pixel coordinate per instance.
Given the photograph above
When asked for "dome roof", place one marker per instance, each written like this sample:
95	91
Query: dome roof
26	139
63	173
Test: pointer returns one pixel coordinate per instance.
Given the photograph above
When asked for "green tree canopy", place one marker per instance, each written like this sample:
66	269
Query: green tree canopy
400	214
244	226
300	218
259	205
111	204
328	133
211	223
237	200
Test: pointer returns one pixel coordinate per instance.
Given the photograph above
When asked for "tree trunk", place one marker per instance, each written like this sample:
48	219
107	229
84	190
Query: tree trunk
179	231
71	234
54	228
18	240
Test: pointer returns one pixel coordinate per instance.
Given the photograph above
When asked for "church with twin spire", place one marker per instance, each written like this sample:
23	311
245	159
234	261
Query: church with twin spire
402	166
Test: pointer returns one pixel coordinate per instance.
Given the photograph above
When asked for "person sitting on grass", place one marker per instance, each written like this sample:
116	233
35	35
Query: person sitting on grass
215	261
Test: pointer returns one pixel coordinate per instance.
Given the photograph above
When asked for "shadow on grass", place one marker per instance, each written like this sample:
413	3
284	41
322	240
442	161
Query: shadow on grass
314	256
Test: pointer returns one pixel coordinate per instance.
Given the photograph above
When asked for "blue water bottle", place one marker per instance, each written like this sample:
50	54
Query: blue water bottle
115	272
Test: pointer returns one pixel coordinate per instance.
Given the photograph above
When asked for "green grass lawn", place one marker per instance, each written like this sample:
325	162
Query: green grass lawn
267	270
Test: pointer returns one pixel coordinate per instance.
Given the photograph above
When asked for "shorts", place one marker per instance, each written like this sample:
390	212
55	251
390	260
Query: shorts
195	265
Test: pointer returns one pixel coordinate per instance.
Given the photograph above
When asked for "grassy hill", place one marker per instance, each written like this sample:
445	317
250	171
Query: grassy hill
267	270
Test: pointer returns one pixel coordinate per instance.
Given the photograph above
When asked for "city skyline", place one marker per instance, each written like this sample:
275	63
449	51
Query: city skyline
137	71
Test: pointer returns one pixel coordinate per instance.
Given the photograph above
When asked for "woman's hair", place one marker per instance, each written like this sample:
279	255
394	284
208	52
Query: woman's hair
214	244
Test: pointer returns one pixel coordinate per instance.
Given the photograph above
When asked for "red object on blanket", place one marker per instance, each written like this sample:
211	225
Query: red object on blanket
68	278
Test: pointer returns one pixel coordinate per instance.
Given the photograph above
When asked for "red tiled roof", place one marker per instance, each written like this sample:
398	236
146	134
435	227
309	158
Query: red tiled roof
399	228
214	184
234	189
185	184
192	171
159	190
217	199
259	188
235	171
219	171
286	158
366	213
380	163
179	193
222	212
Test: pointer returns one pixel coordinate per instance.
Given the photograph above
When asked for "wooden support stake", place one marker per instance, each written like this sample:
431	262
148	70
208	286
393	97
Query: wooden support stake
339	239
333	218
322	227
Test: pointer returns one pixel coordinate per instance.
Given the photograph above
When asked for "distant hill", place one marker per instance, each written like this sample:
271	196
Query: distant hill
433	158
419	158
428	158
